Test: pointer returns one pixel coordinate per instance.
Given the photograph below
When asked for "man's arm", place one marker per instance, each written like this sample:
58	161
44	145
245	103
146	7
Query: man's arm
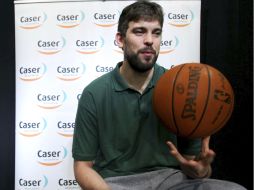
87	177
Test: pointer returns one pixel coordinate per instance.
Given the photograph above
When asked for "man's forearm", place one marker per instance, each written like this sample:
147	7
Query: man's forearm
88	178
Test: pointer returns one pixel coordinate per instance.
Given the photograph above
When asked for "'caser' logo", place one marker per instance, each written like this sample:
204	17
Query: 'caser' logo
65	128
33	183
180	17
106	18
69	19
50	46
32	127
51	156
32	21
31	72
78	96
90	46
67	183
116	47
70	73
169	44
51	99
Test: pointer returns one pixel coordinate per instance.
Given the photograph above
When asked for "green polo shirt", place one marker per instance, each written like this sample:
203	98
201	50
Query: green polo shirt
118	130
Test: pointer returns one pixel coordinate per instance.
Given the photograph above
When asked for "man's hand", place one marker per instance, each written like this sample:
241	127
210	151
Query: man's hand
195	167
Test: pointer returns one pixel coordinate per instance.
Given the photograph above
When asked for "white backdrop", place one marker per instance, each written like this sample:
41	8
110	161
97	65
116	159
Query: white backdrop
60	48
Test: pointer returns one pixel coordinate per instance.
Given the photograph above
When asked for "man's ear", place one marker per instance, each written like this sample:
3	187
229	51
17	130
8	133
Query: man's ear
119	40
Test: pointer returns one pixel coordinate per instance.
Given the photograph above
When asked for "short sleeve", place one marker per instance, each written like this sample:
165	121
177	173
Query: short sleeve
85	141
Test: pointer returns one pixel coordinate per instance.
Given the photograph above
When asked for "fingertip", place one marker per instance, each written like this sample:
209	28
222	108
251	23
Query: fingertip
170	144
205	144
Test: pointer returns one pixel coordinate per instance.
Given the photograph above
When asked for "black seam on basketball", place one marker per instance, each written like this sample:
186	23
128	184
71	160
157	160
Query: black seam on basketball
206	103
173	91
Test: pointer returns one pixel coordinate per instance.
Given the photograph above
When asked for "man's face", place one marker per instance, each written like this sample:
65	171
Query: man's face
141	44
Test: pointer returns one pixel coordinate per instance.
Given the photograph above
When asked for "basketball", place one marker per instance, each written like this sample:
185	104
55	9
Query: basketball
193	100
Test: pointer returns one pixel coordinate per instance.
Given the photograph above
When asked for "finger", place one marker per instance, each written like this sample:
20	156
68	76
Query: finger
175	153
208	157
205	144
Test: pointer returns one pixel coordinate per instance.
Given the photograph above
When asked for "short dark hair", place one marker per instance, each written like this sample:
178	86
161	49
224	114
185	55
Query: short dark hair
141	9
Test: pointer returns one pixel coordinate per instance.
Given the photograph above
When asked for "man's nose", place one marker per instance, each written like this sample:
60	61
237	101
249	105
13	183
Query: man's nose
148	40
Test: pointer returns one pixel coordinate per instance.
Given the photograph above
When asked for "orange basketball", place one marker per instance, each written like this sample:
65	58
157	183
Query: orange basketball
193	100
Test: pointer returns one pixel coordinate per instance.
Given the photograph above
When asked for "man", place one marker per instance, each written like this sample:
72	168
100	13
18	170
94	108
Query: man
119	143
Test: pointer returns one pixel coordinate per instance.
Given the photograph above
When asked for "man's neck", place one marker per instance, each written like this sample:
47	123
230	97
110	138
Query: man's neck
136	80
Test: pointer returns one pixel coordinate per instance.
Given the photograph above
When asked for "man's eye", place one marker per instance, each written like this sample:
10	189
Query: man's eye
138	32
157	33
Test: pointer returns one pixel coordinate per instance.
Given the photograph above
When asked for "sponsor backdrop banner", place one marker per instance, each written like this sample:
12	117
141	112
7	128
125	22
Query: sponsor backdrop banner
60	48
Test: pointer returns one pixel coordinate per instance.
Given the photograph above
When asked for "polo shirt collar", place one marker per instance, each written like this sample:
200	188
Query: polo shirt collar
119	83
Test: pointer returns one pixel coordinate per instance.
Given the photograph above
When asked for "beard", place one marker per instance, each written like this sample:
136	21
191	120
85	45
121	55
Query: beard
137	64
